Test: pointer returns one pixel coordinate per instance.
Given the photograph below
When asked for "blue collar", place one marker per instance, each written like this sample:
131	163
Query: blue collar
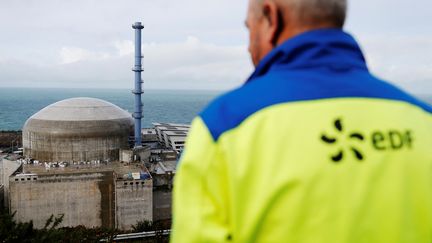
333	48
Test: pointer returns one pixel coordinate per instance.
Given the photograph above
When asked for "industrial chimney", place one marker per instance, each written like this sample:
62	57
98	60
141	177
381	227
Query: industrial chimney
137	115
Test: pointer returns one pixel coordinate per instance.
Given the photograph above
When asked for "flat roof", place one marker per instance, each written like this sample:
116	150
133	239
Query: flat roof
118	167
176	133
166	166
148	131
159	124
170	127
164	129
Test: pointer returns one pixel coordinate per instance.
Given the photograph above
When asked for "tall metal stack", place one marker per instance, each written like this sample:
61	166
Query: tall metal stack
137	115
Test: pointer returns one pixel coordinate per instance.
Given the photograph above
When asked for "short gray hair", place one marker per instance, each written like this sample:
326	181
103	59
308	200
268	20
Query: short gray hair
312	12
316	11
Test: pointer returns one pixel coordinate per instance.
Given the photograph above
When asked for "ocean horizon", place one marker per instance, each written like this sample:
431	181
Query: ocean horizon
169	106
174	106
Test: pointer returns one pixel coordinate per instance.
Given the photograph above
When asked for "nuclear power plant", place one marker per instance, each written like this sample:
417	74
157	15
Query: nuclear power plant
91	161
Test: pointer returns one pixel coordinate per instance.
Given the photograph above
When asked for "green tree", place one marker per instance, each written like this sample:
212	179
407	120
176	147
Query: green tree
143	226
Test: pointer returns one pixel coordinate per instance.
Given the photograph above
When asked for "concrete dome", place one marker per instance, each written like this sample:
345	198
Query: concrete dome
78	129
81	109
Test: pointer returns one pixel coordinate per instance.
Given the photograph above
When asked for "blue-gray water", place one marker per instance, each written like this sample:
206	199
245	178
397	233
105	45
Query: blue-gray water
18	104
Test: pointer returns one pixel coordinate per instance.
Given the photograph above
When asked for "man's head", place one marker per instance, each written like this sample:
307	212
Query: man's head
271	22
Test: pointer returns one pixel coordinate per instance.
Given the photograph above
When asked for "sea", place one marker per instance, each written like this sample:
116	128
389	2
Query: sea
168	106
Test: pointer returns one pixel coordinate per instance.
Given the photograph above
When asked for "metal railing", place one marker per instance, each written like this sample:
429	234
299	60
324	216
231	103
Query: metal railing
142	235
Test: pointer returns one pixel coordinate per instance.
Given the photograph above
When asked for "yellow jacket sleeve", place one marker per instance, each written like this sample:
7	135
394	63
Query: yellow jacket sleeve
200	207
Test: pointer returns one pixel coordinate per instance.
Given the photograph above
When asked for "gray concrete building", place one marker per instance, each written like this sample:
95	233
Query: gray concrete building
149	135
92	195
141	154
172	135
8	166
163	174
83	198
78	129
175	139
134	201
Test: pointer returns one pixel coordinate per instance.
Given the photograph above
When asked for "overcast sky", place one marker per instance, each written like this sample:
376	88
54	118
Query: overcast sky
188	44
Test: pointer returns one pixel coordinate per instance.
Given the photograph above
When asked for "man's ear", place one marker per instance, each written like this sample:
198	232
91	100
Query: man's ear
273	21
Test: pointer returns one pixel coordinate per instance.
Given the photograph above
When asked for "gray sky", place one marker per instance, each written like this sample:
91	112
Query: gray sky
188	44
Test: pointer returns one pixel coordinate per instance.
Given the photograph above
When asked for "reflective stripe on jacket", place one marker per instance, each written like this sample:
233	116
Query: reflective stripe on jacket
313	148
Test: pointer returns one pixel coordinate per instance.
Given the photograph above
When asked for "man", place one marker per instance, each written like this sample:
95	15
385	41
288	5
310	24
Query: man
312	148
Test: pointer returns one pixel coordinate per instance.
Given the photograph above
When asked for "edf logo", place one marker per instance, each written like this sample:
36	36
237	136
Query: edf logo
392	140
350	142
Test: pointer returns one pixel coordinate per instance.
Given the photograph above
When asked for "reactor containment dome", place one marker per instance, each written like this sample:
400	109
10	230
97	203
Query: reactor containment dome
78	129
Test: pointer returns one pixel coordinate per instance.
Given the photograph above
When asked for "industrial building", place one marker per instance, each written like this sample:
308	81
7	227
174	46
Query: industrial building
78	161
149	135
111	195
172	135
78	129
163	173
8	166
72	149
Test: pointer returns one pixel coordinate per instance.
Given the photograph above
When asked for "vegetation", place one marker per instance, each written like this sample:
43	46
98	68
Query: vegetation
12	231
10	138
142	226
11	131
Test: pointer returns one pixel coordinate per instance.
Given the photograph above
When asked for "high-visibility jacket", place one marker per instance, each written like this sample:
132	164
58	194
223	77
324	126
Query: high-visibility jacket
312	148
